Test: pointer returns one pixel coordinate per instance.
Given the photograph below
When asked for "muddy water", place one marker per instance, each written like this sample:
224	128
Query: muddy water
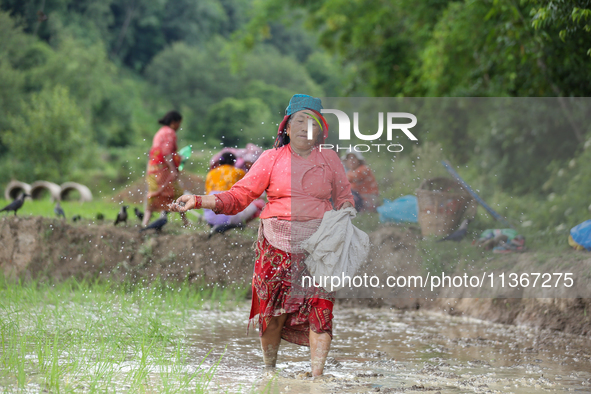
387	351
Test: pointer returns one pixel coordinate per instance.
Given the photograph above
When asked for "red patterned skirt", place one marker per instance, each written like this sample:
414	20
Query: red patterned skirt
171	192
276	290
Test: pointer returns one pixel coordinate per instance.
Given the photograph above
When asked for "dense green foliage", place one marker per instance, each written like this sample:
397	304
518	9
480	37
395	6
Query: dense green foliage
473	48
82	83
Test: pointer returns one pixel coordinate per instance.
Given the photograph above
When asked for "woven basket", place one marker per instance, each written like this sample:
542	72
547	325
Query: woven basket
442	203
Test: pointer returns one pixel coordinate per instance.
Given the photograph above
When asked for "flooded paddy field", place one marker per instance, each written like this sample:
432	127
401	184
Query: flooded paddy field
99	337
381	350
124	330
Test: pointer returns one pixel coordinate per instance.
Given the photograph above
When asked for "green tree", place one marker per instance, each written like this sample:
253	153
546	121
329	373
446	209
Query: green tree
571	18
48	139
107	99
466	48
380	40
193	77
265	63
110	100
275	97
328	72
197	77
15	53
133	31
449	48
235	121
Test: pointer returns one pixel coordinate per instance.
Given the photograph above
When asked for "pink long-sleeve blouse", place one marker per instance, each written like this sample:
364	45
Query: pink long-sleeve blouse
297	189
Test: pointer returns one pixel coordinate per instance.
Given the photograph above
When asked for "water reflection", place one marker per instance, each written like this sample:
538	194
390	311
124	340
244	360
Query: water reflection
390	351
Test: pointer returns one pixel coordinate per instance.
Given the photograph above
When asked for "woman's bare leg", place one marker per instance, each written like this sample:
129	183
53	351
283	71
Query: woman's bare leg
147	217
319	347
271	339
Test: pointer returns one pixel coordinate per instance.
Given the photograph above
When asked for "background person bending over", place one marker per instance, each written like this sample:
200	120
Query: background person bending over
300	181
221	178
363	183
162	173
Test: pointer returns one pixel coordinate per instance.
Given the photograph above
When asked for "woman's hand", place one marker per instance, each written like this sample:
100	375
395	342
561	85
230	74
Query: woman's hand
154	194
183	204
347	204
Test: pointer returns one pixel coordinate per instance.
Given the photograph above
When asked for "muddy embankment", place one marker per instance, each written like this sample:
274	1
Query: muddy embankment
36	247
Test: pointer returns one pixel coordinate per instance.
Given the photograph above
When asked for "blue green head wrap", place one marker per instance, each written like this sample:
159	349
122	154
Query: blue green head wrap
300	102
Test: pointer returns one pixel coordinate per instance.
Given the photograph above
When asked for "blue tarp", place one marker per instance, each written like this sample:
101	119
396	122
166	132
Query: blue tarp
403	209
581	234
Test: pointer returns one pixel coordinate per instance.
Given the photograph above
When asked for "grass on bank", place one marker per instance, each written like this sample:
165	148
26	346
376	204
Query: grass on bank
88	211
80	336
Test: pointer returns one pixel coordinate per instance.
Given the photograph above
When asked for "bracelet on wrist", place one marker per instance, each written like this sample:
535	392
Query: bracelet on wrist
198	202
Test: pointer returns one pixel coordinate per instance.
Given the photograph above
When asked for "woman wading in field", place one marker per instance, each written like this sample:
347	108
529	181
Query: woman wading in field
300	180
162	173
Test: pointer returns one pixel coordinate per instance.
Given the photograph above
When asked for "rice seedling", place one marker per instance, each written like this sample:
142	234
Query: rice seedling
96	336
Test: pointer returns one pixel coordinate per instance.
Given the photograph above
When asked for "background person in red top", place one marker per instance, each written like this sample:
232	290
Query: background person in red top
300	182
162	173
363	183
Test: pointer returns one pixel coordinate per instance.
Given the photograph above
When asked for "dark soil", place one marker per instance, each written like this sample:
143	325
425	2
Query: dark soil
49	248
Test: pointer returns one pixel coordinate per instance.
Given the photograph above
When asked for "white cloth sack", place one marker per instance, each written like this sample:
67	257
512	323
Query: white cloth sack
337	248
